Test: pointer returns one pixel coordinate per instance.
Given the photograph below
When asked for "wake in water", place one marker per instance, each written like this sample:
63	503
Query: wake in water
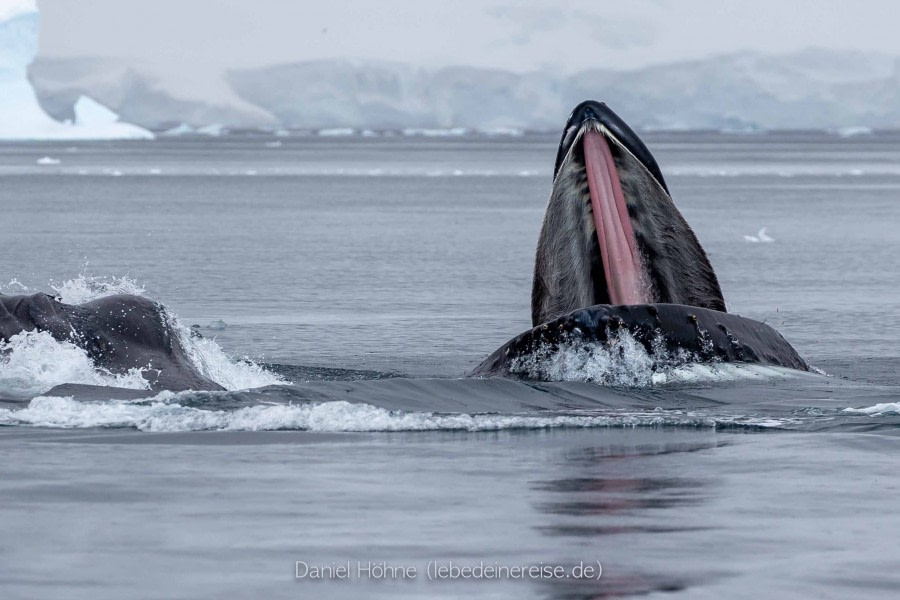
575	384
34	362
165	413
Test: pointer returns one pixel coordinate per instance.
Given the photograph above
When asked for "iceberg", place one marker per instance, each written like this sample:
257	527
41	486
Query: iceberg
179	130
214	130
21	116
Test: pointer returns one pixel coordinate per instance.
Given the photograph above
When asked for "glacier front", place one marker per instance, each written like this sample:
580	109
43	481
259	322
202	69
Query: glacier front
21	117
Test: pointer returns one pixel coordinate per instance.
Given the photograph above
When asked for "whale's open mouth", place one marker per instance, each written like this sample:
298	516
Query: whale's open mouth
626	278
611	233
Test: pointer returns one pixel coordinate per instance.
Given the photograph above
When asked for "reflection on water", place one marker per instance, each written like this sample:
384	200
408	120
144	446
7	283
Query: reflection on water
603	494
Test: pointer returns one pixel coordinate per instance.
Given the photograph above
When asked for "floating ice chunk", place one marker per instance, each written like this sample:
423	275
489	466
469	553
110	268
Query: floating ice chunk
760	237
214	130
183	129
846	132
47	160
337	132
452	132
502	131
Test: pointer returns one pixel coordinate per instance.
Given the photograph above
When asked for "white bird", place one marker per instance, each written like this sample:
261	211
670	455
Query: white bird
761	236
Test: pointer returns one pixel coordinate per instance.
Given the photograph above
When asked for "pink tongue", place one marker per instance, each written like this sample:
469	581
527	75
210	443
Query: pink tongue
621	261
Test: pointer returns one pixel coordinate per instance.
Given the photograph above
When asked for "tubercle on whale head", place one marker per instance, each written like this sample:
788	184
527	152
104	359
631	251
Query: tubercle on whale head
611	232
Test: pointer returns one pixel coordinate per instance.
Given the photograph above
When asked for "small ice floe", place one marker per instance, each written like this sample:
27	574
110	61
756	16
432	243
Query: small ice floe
760	237
155	171
183	129
217	325
424	132
846	132
337	132
213	130
502	131
47	160
275	144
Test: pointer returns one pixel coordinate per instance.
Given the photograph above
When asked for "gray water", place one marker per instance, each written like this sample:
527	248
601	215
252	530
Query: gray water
388	267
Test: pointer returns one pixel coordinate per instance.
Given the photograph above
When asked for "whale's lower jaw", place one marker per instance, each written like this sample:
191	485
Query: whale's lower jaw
702	334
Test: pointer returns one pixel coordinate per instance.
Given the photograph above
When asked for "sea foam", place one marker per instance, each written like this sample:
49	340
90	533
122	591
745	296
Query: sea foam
163	413
887	408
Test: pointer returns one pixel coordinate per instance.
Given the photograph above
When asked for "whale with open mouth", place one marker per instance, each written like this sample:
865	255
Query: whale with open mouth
615	255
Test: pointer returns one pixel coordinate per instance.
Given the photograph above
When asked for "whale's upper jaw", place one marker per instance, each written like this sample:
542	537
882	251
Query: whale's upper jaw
603	116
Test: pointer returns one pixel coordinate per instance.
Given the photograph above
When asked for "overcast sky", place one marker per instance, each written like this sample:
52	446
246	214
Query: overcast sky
187	35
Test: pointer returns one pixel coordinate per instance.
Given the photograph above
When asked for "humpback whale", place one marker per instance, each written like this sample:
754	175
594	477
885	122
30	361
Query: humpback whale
119	333
615	255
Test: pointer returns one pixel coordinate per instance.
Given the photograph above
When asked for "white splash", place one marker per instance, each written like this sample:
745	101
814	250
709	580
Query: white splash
624	362
887	408
85	288
33	362
213	363
162	413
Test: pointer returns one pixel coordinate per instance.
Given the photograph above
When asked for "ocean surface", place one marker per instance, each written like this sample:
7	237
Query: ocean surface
345	285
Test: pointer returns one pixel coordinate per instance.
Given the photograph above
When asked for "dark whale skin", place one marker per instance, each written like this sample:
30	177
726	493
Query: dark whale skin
711	335
118	333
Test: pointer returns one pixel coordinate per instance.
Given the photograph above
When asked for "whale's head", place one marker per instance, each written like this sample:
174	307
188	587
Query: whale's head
611	232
